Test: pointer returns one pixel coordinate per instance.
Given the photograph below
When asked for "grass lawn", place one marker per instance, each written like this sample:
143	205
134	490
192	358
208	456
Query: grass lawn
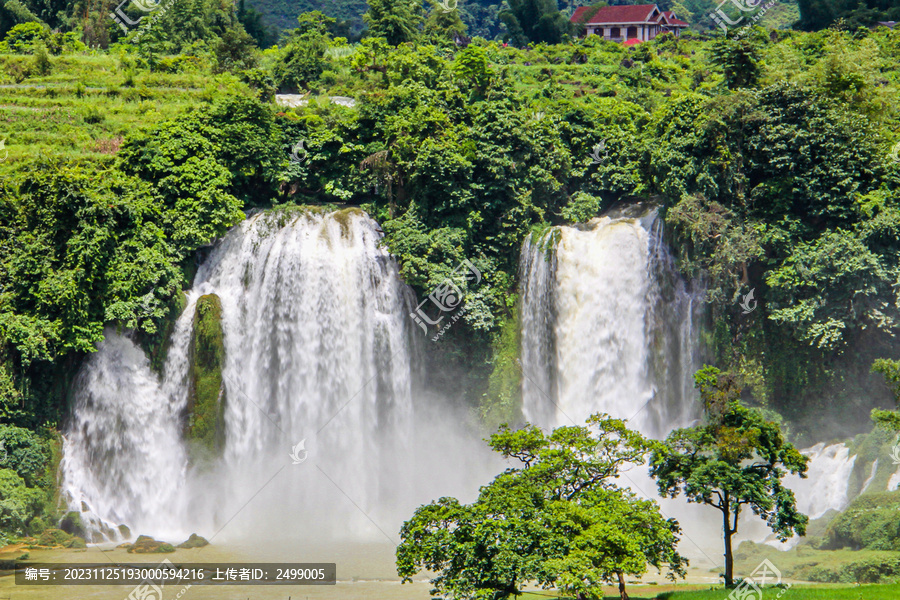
804	592
797	592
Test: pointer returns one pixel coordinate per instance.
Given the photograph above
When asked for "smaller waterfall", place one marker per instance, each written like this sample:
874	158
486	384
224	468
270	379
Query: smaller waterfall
607	326
894	481
123	458
827	479
872	472
825	489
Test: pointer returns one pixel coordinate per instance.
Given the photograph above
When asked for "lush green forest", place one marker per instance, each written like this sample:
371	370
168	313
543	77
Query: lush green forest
772	153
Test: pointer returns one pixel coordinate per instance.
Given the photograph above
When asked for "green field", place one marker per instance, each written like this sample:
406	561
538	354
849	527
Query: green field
796	592
87	104
864	592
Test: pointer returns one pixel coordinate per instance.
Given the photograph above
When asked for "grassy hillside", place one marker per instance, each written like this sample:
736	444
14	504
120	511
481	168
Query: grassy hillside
86	105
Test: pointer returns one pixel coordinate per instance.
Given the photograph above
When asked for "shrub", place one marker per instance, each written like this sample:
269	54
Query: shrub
22	38
872	569
869	522
581	207
42	64
91	115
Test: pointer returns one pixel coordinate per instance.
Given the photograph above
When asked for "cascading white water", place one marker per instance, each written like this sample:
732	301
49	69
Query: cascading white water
318	349
599	332
825	489
123	460
607	326
826	485
317	345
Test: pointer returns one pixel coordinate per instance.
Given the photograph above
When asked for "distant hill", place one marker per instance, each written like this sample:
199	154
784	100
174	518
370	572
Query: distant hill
481	17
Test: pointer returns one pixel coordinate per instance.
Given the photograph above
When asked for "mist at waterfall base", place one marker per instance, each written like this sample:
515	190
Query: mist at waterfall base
609	325
319	349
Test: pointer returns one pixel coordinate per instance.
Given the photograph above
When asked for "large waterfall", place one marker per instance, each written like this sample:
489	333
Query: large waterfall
607	326
319	351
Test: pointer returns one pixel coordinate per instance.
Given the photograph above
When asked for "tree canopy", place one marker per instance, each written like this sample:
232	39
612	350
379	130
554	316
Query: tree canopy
557	519
736	459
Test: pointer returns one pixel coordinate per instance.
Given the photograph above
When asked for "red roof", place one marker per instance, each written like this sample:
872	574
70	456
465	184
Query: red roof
673	20
635	13
632	42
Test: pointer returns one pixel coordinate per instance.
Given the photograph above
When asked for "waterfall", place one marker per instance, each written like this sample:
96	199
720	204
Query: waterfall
828	477
825	489
123	460
607	326
319	350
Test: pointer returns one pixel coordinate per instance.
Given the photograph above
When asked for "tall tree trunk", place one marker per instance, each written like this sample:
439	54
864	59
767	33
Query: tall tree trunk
622	594
729	558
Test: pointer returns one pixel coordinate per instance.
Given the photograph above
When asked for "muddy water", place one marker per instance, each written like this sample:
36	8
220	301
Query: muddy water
364	571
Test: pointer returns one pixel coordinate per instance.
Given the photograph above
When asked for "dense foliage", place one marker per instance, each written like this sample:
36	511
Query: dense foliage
27	480
869	522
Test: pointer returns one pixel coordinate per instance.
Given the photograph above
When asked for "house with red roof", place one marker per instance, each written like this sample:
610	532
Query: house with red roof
631	24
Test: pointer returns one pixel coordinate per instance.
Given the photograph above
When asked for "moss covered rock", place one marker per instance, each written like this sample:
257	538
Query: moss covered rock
58	537
205	425
147	545
195	541
873	453
72	524
503	401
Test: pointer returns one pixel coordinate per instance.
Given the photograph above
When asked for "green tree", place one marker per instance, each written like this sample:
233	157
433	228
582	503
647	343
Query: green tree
557	519
397	21
535	21
736	459
443	24
302	58
739	60
235	51
206	162
254	24
473	68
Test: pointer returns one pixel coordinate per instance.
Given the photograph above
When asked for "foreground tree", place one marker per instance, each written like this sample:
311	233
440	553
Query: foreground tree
558	520
736	459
